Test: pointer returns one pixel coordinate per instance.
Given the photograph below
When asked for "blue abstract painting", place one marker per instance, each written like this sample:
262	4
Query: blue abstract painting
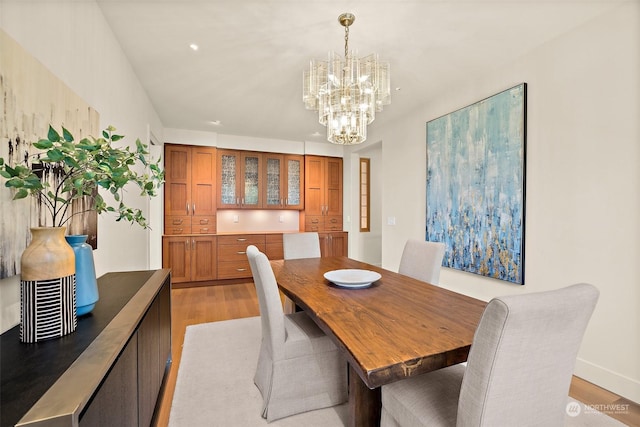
476	185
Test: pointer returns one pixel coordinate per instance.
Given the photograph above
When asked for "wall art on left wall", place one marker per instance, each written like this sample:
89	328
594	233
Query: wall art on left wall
34	99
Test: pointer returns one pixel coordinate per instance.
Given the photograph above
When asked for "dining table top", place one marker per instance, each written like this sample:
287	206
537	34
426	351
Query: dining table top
396	328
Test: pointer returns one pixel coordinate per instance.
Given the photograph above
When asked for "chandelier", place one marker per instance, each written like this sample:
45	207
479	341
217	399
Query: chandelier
347	92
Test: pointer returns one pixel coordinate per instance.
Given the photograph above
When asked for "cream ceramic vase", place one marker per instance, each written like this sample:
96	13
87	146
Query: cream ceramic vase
47	286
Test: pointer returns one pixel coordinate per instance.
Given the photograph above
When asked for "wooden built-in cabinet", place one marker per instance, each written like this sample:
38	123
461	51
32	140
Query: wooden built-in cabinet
200	180
323	194
190	258
240	179
283	176
190	190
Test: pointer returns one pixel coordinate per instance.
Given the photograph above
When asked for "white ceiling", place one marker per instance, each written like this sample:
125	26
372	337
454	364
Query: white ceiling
247	72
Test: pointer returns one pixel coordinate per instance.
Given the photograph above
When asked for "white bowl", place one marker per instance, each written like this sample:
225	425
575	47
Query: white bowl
352	278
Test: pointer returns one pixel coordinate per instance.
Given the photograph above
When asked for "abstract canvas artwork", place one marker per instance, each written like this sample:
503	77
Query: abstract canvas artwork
476	185
34	98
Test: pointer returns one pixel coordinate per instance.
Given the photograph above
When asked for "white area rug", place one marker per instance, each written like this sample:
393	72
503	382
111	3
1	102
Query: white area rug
215	384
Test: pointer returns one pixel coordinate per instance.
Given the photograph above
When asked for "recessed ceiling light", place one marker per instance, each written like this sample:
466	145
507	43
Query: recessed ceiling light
398	89
193	46
215	122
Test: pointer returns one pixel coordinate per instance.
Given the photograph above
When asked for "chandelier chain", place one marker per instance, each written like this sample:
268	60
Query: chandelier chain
346	41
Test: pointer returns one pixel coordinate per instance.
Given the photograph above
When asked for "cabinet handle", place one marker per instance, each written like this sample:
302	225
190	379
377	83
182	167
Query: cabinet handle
241	253
241	239
194	208
241	269
177	231
187	208
242	203
186	245
193	244
177	221
204	221
204	229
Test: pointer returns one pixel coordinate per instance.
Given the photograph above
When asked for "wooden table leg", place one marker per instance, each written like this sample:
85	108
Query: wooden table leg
364	403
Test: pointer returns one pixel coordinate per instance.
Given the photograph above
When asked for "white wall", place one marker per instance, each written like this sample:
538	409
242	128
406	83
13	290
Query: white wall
364	246
72	39
583	182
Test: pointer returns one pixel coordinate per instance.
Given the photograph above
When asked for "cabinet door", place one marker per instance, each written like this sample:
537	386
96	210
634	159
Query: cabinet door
115	403
149	364
176	255
273	181
333	189
203	181
333	244
339	244
229	193
203	258
274	248
314	185
177	188
251	197
293	189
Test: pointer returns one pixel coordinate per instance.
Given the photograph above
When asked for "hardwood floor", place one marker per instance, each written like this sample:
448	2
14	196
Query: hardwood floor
191	306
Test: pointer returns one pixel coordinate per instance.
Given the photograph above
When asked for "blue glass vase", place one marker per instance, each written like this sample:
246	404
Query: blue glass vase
86	283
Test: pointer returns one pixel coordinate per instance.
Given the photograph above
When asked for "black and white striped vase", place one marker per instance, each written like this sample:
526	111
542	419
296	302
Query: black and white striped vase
47	286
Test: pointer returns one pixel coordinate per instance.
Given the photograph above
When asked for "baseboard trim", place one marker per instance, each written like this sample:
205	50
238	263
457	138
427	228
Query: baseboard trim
608	380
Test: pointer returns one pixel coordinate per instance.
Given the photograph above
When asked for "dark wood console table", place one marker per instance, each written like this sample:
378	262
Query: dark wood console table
108	372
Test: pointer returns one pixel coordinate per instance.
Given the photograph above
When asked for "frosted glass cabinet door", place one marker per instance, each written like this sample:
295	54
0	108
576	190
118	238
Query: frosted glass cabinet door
294	190
228	170
283	181
273	182
251	197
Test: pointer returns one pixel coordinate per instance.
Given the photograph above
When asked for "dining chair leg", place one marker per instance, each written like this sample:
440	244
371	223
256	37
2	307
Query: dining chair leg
364	404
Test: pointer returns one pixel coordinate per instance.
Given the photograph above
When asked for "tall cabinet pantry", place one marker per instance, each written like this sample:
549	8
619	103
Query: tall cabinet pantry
189	245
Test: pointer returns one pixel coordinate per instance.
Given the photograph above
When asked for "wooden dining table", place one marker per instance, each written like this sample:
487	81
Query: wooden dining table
397	328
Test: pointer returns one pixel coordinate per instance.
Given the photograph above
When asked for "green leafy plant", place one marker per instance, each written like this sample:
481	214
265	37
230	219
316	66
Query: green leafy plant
81	169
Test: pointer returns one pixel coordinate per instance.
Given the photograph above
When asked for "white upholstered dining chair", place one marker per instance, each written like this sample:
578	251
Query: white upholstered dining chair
296	246
299	368
422	260
301	245
519	368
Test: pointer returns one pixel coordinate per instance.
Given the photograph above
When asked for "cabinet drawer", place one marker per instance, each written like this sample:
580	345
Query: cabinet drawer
234	269
242	239
203	224
204	221
204	229
236	252
333	223
314	223
175	225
